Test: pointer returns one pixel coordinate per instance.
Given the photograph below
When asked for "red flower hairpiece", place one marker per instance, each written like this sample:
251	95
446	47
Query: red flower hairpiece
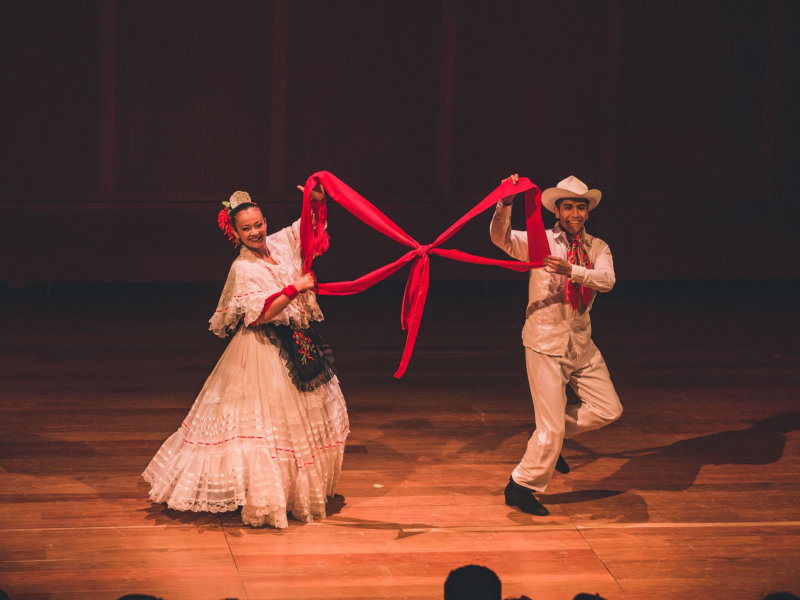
226	224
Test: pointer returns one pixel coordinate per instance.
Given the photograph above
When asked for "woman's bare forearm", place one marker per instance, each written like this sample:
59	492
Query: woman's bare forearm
277	307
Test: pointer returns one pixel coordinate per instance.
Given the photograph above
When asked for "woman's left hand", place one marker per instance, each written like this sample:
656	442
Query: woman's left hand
318	193
305	282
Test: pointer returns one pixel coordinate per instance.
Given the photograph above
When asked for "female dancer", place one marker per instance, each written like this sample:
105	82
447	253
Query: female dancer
267	431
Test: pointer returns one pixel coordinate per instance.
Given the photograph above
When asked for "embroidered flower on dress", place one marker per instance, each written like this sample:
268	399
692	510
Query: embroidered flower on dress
304	345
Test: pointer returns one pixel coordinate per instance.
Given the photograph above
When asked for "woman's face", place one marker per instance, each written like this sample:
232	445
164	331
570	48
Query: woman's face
250	228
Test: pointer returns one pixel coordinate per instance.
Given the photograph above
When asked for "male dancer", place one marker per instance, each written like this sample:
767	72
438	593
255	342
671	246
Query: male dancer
558	335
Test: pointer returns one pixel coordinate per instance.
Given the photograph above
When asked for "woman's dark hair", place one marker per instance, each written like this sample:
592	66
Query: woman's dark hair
241	208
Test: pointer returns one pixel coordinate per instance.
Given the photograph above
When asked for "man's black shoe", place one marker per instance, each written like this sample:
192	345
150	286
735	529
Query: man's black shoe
523	499
561	465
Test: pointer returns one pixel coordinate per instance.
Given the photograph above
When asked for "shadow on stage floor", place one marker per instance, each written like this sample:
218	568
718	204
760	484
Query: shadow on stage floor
673	467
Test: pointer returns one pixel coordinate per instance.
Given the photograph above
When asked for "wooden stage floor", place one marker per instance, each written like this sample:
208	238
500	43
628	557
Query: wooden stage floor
692	494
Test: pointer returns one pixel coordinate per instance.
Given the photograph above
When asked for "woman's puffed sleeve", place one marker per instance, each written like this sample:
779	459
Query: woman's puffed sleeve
293	236
242	298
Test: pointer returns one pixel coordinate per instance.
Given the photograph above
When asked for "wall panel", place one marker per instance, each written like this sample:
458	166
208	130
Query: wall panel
687	111
363	93
49	97
192	96
786	175
528	86
691	85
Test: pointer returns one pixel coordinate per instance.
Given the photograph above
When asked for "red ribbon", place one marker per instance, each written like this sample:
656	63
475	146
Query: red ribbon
578	294
314	241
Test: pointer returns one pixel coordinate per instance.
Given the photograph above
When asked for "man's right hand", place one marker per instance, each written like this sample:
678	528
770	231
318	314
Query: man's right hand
508	200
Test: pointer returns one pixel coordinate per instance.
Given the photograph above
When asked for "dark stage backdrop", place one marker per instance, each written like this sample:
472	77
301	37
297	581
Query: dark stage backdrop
125	123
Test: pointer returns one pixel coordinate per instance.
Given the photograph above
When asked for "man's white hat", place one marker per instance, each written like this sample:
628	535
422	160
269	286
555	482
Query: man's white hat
571	187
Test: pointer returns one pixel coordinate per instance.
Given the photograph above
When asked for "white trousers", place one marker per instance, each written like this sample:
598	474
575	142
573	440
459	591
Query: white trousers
587	374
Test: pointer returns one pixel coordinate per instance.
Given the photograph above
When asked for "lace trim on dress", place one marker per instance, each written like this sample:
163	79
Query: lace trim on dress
191	504
191	487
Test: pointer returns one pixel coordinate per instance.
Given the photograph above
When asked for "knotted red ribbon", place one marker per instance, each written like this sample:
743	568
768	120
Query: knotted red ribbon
314	241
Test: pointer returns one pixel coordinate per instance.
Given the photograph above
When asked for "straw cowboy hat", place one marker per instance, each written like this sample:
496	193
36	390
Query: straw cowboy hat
571	187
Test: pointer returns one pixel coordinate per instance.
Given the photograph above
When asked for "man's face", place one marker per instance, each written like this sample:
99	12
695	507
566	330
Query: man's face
572	214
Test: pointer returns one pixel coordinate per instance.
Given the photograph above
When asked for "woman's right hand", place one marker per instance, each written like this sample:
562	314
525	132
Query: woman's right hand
305	282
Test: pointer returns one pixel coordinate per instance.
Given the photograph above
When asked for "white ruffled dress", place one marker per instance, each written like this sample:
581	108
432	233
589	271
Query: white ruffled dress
252	439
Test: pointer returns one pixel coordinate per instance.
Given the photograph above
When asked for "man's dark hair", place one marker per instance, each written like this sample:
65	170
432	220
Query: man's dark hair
137	597
558	202
472	582
781	596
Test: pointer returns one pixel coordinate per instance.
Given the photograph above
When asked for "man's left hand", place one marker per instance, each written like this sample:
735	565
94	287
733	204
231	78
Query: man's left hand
554	264
508	200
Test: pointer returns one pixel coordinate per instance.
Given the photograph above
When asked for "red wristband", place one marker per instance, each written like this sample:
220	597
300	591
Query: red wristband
291	291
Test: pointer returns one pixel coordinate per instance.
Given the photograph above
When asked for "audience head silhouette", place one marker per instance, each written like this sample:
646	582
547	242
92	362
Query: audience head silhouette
472	582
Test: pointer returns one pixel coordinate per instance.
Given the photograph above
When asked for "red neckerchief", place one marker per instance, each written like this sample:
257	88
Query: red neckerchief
314	241
578	294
